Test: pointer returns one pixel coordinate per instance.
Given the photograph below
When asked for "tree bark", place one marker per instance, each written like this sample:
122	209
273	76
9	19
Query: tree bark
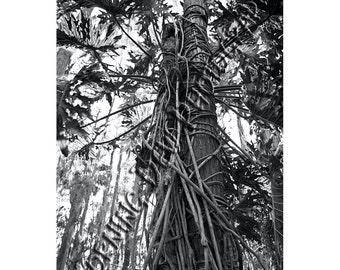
204	136
187	232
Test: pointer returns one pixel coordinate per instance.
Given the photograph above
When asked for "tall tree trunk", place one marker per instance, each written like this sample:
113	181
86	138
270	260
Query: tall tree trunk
113	208
76	199
66	241
104	208
127	251
115	191
189	234
205	145
78	245
130	237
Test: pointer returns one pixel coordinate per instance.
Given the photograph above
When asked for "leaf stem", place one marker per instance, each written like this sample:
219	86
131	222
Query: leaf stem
123	134
139	46
121	110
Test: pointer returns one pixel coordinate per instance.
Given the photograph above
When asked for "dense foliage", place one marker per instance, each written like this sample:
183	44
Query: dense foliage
114	99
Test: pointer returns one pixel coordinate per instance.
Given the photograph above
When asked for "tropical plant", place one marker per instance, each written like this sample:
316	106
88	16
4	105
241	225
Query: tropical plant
216	204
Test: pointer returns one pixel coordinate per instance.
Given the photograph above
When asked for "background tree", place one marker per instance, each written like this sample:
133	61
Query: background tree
208	189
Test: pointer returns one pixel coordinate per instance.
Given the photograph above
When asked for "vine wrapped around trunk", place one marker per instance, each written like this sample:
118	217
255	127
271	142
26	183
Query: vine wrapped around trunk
183	159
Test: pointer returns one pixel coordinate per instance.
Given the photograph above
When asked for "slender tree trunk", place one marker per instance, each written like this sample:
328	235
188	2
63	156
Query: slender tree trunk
66	240
87	202
78	245
130	238
76	199
101	216
127	252
134	242
113	207
115	191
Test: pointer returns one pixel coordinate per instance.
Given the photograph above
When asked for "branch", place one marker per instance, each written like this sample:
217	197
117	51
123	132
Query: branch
131	76
225	88
229	42
117	138
139	46
108	70
121	110
139	78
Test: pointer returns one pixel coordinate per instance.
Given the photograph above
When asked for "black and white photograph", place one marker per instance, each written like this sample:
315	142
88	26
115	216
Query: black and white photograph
169	135
148	135
155	135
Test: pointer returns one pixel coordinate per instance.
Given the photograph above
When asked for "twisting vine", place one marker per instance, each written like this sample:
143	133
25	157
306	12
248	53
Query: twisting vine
191	227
